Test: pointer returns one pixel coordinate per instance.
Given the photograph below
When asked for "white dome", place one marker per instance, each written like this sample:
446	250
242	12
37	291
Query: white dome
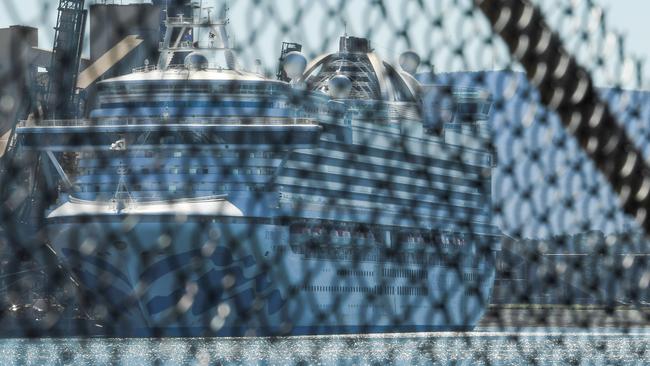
294	64
409	62
196	61
339	86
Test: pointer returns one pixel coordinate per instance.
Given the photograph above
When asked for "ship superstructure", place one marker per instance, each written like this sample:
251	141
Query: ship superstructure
202	199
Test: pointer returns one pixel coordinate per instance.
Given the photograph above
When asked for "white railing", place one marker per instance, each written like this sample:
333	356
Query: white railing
202	121
190	21
145	68
209	66
120	2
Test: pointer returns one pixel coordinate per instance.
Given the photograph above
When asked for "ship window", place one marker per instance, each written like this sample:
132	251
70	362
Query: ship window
205	170
178	154
172	188
148	154
192	170
174	170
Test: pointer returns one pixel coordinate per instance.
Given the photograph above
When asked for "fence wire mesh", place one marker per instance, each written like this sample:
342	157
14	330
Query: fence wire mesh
380	172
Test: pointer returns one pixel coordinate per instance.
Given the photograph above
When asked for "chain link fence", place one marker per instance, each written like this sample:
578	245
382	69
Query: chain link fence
419	181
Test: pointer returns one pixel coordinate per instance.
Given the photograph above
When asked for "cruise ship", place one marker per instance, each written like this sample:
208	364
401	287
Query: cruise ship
199	198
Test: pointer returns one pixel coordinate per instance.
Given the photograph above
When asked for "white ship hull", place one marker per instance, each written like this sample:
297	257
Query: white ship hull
192	276
200	199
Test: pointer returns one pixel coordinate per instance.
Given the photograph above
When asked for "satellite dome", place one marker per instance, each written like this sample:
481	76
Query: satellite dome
196	61
358	73
409	62
339	86
294	64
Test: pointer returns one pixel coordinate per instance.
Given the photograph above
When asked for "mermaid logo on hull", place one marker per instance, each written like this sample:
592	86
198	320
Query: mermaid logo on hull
222	278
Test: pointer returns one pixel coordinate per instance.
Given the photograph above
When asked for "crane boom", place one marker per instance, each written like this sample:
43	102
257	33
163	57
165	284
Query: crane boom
66	54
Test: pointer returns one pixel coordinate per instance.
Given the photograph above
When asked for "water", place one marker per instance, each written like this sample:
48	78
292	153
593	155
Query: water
486	346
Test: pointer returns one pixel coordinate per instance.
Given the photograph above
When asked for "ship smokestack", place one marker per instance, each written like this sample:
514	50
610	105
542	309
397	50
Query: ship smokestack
354	45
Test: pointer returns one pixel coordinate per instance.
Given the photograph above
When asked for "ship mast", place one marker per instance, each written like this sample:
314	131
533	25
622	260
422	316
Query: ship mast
199	35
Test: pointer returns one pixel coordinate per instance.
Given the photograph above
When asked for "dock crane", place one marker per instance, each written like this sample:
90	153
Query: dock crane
61	100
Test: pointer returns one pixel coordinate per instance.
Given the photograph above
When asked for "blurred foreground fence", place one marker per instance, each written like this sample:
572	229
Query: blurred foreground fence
322	167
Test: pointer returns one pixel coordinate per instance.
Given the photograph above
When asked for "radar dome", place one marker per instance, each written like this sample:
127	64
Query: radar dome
339	86
294	64
196	61
409	62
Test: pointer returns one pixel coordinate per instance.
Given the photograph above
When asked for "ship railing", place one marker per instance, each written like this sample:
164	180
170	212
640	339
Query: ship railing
193	22
148	68
205	121
118	2
466	92
459	92
145	68
401	111
53	123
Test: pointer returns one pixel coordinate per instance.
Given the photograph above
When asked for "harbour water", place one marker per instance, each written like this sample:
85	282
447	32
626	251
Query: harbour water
485	346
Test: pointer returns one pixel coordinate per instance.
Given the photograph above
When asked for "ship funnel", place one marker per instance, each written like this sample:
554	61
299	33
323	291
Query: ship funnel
354	45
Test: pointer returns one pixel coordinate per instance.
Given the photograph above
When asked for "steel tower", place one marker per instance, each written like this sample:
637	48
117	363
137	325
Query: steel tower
66	53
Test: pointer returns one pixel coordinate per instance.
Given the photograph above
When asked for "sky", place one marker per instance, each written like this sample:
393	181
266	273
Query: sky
630	18
626	16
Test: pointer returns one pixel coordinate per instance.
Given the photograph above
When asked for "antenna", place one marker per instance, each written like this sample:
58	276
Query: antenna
209	9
